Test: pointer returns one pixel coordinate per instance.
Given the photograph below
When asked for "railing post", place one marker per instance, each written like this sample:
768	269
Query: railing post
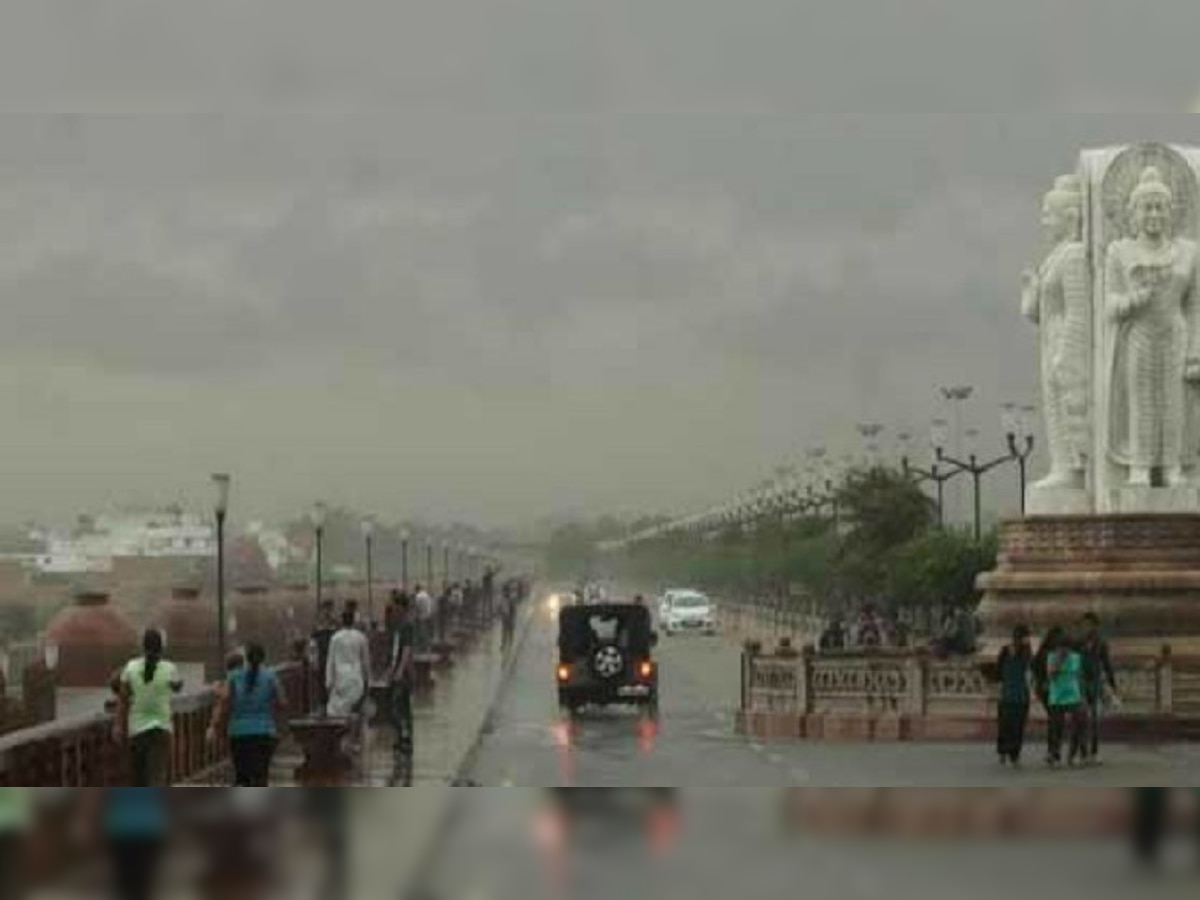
1165	693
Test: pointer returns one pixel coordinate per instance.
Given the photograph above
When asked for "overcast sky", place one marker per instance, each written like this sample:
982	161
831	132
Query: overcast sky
499	258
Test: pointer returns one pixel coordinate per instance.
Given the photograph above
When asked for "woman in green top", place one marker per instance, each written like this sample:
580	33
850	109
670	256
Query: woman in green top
147	685
1064	666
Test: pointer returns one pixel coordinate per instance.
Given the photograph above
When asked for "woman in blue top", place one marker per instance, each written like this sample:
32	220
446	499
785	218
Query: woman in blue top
247	710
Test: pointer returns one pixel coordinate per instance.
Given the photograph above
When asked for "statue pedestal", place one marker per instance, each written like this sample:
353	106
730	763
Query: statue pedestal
1139	573
1163	501
1057	501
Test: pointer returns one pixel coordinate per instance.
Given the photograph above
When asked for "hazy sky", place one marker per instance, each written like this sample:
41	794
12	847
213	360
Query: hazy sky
497	258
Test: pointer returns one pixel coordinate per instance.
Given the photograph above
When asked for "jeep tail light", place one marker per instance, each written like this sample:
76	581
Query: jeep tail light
646	669
564	672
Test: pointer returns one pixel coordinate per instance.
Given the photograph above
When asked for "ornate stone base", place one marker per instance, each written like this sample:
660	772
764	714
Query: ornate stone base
1139	573
1160	501
1057	501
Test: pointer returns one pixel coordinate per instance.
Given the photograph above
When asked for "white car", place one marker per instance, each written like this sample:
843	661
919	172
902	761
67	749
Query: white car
687	612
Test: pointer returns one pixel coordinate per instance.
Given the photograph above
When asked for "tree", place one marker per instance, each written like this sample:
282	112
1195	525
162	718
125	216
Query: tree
881	510
940	567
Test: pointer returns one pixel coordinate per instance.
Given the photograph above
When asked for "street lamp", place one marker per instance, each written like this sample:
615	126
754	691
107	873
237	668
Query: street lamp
1019	431
428	564
319	514
937	438
368	530
977	470
870	431
221	483
404	558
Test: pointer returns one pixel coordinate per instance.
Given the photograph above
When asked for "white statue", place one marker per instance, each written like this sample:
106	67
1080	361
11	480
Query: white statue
1057	297
1150	294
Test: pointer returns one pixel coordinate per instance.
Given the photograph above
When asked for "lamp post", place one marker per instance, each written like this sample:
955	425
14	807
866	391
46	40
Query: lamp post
428	564
368	530
937	438
955	396
446	565
1020	442
870	432
221	483
977	470
404	559
319	513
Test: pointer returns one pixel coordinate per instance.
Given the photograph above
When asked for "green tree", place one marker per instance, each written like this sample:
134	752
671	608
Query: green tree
880	510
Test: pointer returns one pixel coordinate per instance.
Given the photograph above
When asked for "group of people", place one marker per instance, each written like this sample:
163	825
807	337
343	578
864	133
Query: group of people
249	702
871	631
1071	676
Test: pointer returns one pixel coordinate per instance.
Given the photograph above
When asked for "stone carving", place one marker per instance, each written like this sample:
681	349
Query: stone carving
854	678
1150	292
957	681
1057	297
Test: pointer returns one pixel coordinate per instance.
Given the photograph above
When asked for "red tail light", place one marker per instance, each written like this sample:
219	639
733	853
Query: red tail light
646	670
564	672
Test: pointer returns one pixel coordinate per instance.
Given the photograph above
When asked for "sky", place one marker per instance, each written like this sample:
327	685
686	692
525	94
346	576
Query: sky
498	259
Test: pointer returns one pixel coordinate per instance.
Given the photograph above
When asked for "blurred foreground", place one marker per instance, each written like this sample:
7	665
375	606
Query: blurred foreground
524	844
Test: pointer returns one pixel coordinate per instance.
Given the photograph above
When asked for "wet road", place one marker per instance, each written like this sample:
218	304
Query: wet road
693	743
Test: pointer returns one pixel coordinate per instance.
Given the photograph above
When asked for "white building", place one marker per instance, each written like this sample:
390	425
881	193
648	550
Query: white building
172	533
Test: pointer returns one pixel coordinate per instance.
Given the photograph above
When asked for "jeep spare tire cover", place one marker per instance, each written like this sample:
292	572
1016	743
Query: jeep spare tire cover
607	662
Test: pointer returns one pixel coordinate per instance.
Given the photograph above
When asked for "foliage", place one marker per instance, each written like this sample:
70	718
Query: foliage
940	567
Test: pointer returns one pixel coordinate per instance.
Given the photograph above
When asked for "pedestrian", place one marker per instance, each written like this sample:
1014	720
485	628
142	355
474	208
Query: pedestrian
1039	668
16	820
833	638
135	823
247	712
144	712
1013	669
400	678
424	603
508	621
1097	675
323	631
1064	664
347	677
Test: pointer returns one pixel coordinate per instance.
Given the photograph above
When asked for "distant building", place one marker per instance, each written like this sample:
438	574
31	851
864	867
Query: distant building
92	545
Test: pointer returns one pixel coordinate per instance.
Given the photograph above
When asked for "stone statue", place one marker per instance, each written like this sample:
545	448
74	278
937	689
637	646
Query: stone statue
1149	295
1057	297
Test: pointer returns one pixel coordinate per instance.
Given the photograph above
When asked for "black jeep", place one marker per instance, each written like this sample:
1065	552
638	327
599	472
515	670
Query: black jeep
605	656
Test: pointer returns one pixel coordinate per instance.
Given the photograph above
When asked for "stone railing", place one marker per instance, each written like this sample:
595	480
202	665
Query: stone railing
81	752
913	683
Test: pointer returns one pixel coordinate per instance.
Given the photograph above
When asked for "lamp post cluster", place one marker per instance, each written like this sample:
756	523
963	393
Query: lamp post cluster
946	466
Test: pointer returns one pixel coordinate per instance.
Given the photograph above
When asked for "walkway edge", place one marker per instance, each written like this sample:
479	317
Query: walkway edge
450	801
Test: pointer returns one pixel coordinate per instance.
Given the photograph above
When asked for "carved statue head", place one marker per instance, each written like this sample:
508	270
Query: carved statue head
1152	205
1062	213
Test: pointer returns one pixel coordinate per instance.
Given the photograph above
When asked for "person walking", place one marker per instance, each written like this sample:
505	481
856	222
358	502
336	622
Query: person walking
1039	668
1012	671
400	678
135	823
424	602
143	718
1065	668
1098	674
347	677
247	712
508	621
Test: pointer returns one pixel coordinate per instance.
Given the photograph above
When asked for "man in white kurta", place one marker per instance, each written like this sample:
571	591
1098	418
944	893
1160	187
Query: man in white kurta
347	669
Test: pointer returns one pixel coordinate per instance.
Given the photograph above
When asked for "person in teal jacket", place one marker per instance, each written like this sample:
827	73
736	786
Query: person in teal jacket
1064	666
